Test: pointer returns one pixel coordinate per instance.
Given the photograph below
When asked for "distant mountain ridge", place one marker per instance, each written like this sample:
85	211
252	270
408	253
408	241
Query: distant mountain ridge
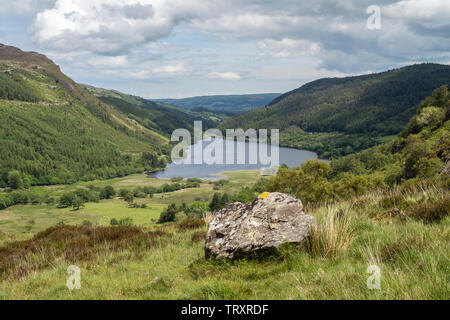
346	114
225	103
157	116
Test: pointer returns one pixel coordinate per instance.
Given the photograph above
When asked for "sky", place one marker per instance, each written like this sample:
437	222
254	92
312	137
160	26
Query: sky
182	48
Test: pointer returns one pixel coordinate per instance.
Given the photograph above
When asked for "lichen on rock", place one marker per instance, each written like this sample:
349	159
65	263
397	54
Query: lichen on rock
248	230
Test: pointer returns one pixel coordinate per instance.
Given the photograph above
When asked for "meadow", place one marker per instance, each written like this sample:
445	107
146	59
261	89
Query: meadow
410	248
23	221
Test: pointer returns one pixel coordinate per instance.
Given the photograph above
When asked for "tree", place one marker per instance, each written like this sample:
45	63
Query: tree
224	200
129	197
215	202
15	181
197	209
169	214
66	200
77	203
108	192
317	168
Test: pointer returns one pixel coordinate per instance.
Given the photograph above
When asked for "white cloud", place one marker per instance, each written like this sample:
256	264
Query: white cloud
438	10
287	47
232	76
164	41
177	68
108	62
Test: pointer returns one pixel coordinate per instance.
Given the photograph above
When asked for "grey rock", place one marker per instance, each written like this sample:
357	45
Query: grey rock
248	230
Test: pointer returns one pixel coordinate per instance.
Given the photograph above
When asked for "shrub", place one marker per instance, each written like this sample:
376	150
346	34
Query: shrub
430	212
107	192
191	223
198	236
126	222
197	209
169	214
129	197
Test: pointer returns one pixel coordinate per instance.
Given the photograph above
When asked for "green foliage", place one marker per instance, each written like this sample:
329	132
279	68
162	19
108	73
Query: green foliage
53	131
430	212
129	197
347	115
15	180
420	152
14	87
197	209
108	192
246	195
155	116
231	104
169	214
126	222
215	203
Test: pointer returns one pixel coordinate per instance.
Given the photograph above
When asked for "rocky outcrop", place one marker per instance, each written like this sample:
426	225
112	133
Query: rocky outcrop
249	230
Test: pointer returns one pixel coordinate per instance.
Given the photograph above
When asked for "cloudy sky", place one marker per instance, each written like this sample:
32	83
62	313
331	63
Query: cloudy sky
180	48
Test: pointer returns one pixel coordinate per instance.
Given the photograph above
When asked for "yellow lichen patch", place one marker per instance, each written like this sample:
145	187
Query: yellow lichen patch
264	195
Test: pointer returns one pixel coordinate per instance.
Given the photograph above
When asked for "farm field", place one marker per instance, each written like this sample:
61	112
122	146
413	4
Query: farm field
22	221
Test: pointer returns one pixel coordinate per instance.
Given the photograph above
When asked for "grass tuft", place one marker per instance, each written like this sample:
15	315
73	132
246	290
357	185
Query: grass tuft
332	236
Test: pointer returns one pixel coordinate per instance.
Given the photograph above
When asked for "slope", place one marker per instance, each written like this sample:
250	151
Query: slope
346	114
234	104
157	116
52	130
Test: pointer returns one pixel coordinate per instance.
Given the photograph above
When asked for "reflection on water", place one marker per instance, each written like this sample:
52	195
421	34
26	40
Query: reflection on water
288	156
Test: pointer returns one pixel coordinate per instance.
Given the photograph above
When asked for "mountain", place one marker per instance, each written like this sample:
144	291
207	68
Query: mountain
53	130
157	116
339	116
234	104
417	157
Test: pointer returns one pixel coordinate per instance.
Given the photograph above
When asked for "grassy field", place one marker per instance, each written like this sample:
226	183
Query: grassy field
411	252
22	221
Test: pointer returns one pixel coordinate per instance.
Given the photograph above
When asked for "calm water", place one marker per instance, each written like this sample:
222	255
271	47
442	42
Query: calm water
288	156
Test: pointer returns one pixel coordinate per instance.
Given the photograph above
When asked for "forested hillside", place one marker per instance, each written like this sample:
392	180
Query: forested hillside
420	154
234	104
157	116
335	117
53	130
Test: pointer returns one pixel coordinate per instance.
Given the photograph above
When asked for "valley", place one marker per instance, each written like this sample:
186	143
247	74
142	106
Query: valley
82	183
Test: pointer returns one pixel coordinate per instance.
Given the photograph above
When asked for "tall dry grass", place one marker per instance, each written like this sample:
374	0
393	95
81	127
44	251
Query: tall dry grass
333	235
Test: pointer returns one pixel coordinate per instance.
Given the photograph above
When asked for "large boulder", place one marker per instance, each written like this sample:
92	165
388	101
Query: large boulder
249	230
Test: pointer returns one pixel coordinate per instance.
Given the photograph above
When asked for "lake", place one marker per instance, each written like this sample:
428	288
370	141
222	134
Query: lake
290	157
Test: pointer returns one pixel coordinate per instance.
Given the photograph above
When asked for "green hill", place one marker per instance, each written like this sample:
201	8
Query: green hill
157	116
420	154
52	130
346	114
234	104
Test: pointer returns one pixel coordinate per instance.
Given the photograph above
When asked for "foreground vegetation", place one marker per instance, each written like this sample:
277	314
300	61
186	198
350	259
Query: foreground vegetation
168	262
